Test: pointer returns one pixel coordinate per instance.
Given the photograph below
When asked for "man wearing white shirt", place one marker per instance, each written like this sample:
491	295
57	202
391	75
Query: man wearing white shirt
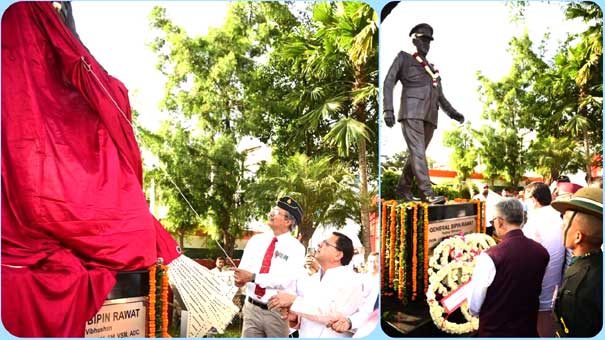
271	261
544	226
370	293
490	198
335	290
507	279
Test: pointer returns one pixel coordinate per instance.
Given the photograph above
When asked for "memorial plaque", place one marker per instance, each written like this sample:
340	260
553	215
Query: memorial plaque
120	318
439	230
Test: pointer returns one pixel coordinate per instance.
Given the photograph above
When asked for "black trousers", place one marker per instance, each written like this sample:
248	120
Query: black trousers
418	135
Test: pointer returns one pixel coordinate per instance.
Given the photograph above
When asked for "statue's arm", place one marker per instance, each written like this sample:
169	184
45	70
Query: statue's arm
390	81
448	108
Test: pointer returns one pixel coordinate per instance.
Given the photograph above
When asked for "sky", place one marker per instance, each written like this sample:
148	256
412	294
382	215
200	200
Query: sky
120	44
468	37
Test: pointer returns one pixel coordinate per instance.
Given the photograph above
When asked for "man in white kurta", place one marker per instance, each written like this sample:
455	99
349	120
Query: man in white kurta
324	297
286	265
544	226
370	292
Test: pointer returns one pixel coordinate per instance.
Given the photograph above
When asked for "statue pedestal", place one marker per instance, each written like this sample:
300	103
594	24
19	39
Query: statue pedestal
410	232
124	313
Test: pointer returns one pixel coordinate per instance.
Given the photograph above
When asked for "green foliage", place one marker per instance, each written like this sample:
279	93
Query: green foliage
324	187
464	156
454	189
303	82
388	183
181	170
546	112
551	157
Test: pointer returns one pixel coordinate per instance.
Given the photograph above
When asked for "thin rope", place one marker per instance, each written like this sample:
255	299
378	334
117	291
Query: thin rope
198	215
88	68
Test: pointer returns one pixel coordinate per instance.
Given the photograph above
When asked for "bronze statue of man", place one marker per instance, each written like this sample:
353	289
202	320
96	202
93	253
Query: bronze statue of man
421	97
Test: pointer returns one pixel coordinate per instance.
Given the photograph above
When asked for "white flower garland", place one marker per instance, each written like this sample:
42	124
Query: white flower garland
437	311
434	75
450	266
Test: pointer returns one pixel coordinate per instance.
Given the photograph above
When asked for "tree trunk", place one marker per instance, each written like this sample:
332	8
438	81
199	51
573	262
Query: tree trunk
363	190
363	169
588	158
229	243
182	238
306	229
228	239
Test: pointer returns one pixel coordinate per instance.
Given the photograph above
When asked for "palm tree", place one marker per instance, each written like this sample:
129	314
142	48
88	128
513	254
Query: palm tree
322	186
340	61
586	63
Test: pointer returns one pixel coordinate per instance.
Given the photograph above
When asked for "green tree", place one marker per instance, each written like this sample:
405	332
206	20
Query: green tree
564	96
464	156
339	62
180	175
585	64
322	186
551	157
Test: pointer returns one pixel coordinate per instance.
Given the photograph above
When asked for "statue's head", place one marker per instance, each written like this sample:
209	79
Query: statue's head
422	35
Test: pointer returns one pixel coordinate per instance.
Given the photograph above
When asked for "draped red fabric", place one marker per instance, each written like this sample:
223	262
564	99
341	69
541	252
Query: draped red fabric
73	209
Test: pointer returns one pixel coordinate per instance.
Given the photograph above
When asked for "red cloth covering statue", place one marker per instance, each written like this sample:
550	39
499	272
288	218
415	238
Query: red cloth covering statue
73	209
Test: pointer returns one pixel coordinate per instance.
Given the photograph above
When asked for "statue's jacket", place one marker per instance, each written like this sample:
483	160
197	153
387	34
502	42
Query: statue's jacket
419	98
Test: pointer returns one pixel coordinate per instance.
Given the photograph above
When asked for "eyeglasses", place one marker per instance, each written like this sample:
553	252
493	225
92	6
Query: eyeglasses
495	218
276	211
326	243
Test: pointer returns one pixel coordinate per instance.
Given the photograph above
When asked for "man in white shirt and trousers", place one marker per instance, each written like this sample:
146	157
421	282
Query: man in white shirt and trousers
544	226
324	297
271	261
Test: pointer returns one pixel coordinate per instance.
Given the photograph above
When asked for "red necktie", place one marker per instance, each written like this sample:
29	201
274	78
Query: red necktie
264	268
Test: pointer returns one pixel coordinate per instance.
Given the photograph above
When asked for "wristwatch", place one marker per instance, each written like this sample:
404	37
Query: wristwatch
350	323
253	277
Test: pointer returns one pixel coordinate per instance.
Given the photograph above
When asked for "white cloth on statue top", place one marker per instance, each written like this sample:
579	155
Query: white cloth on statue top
287	264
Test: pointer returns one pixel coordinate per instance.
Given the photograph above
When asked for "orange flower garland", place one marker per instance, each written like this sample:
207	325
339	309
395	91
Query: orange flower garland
383	241
478	203
164	296
151	303
392	243
426	246
414	250
401	254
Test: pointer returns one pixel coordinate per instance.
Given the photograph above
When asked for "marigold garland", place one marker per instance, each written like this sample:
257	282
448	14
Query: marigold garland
151	303
157	313
478	218
392	243
401	288
164	301
426	246
396	269
414	250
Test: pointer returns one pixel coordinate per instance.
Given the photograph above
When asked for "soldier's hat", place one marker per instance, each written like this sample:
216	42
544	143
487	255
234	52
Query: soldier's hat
586	200
422	30
292	207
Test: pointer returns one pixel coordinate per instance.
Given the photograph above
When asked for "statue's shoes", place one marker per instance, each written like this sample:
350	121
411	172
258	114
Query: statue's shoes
434	199
408	198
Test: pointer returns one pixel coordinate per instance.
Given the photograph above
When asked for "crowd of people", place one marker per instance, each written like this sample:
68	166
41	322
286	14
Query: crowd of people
545	276
288	293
